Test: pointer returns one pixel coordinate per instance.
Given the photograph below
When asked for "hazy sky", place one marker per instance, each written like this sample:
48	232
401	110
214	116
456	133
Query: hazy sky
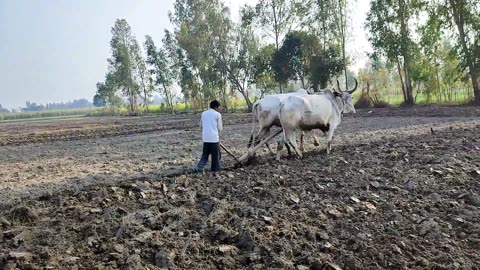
57	50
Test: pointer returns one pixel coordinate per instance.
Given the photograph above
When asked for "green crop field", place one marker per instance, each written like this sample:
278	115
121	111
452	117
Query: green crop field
458	97
56	114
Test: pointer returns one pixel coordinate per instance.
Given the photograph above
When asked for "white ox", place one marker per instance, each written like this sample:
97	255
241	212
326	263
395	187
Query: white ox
304	113
266	112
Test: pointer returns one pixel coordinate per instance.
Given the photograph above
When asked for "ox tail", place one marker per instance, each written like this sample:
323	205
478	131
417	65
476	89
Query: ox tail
254	114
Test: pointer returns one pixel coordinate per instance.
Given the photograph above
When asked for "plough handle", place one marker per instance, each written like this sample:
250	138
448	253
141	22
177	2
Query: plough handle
230	153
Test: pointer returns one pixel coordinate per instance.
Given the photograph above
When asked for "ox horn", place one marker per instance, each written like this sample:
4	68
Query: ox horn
355	88
338	86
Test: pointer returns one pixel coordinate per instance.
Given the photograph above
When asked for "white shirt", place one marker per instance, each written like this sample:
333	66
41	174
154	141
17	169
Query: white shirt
211	124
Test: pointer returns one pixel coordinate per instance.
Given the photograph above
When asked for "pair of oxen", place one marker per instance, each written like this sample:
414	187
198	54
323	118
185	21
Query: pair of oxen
298	112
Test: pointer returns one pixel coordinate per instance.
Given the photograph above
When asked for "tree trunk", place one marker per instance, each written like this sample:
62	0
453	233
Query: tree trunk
168	98
405	52
276	30
343	21
247	99
223	93
145	100
437	76
409	89
401	79
476	87
302	80
473	69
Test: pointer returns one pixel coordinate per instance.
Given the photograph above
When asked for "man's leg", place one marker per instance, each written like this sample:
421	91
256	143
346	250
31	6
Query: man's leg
215	152
204	159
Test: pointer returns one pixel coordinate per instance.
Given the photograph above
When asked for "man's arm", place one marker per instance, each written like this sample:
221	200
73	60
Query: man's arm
219	123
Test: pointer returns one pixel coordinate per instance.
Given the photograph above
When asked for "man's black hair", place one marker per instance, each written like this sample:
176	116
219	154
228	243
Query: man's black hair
214	104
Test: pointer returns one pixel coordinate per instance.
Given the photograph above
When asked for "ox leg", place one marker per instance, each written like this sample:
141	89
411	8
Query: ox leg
252	150
270	149
295	147
279	149
280	145
250	142
329	140
266	134
302	146
293	143
288	149
315	139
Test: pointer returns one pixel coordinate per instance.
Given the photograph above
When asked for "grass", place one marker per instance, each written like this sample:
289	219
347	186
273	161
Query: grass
234	104
55	114
459	97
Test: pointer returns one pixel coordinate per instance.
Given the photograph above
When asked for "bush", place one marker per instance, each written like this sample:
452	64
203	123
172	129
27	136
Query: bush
381	104
364	101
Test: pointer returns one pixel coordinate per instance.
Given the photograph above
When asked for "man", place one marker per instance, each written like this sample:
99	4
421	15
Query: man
211	124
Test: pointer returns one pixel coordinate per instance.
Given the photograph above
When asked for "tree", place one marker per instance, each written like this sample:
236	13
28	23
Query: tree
276	18
237	60
319	18
263	73
141	75
301	57
325	65
461	16
206	23
162	67
294	59
3	110
99	101
390	34
341	22
122	67
377	78
106	92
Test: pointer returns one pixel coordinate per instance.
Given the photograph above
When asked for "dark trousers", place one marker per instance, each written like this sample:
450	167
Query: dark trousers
210	149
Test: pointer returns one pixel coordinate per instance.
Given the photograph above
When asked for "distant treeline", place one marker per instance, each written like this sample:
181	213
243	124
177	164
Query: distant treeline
75	104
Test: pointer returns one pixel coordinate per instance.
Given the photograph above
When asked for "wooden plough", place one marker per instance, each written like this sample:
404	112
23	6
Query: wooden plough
230	153
251	151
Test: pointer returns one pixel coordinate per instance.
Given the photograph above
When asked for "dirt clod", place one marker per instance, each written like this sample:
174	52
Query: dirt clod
375	184
23	214
472	199
161	259
246	242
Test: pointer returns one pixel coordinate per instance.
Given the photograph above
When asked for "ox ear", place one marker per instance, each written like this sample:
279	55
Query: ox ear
355	88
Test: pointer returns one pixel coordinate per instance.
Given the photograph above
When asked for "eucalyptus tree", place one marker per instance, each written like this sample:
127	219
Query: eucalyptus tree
202	30
162	66
122	68
391	35
459	19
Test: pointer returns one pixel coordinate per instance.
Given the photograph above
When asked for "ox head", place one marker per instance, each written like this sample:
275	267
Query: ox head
346	97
